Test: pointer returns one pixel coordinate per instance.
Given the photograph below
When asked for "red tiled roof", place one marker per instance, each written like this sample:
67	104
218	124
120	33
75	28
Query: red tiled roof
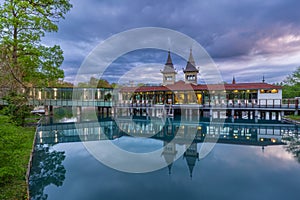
182	86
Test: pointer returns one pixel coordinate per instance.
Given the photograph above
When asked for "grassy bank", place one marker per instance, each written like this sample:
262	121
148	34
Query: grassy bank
15	149
294	117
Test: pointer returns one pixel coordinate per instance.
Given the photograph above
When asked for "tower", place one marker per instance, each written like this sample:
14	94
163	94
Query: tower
190	71
233	80
169	154
169	73
191	155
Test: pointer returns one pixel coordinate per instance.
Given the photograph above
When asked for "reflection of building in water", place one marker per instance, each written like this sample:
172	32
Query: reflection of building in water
173	134
169	154
191	155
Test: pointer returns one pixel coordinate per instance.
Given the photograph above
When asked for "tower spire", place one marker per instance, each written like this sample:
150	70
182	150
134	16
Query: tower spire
169	59
191	58
169	73
233	80
190	71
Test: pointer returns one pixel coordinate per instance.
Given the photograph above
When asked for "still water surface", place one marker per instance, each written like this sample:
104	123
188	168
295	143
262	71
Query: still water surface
250	161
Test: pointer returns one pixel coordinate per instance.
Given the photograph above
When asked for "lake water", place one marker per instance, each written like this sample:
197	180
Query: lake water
210	160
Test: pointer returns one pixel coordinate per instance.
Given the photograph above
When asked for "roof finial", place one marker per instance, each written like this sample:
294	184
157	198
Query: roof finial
191	58
233	80
169	59
263	80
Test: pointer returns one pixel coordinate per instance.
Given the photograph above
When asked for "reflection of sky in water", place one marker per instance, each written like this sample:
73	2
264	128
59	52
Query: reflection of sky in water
138	145
229	172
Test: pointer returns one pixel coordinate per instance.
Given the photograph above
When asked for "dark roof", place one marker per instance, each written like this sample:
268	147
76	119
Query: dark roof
190	68
190	65
169	67
182	86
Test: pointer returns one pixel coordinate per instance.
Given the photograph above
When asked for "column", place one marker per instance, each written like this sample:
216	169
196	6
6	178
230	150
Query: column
46	108
267	117
281	115
256	116
79	109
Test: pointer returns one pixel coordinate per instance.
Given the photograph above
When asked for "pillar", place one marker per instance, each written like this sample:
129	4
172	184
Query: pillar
210	112
256	116
46	108
267	116
281	115
79	109
277	115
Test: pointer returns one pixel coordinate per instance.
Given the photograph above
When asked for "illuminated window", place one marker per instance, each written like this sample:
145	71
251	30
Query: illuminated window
274	91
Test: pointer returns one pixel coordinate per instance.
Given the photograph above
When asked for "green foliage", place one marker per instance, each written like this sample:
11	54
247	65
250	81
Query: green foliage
291	85
23	58
63	112
94	82
47	169
17	108
15	148
107	97
103	84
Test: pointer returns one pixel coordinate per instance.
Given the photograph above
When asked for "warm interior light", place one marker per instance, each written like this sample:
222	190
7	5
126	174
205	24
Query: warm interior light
273	140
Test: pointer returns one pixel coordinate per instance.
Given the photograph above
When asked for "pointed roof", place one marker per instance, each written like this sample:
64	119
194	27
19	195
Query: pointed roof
169	59
191	164
233	80
169	154
169	67
191	66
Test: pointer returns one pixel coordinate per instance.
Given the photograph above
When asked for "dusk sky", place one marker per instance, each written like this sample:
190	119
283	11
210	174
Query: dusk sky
246	39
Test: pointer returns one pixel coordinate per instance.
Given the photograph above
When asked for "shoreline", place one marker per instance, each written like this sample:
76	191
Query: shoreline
30	161
291	121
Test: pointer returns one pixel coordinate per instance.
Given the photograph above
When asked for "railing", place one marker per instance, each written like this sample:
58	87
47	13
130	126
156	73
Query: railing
236	103
291	104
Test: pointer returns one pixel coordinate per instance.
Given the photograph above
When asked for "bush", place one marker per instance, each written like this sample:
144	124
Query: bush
15	148
18	108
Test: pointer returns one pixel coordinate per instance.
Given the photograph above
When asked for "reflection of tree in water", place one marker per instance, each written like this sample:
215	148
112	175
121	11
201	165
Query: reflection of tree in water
46	169
293	145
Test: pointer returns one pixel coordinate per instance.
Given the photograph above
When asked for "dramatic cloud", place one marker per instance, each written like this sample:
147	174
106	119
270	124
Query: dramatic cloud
245	38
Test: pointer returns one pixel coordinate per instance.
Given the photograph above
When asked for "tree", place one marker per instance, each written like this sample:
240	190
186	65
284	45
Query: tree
94	82
22	25
291	85
102	83
25	62
47	168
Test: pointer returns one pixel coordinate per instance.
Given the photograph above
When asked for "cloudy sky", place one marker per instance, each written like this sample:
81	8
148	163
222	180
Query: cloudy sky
245	38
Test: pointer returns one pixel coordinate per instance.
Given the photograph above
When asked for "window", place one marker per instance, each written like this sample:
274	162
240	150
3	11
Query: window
191	77
168	78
